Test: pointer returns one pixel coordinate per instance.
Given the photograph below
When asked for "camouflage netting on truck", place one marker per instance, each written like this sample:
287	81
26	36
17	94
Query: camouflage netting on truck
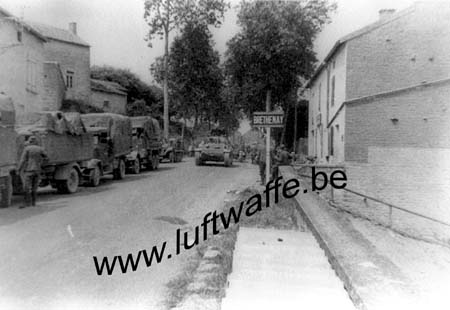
7	135
63	137
117	126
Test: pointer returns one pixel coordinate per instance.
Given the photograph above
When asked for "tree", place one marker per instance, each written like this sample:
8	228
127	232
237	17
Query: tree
196	80
274	47
137	90
163	16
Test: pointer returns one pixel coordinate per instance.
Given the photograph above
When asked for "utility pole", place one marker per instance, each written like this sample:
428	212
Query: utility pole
268	98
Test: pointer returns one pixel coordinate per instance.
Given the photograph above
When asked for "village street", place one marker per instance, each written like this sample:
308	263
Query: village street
48	250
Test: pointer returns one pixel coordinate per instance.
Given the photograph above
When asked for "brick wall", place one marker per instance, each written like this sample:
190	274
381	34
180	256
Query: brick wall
75	58
409	50
416	179
423	115
116	103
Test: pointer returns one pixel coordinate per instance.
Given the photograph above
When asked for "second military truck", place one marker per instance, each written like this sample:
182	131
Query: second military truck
112	144
146	144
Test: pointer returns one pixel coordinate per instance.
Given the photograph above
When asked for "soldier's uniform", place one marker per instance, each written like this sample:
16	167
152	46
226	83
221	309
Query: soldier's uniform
30	167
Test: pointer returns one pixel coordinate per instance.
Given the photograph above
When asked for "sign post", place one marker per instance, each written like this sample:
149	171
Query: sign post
268	120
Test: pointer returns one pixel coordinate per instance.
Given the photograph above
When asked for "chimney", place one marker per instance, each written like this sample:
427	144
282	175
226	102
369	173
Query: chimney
73	28
385	13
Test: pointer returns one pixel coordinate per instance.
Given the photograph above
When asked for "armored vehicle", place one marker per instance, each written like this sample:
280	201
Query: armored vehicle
216	149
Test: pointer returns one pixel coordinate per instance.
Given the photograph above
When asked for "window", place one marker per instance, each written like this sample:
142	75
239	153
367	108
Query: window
331	142
69	79
106	104
32	72
19	36
332	90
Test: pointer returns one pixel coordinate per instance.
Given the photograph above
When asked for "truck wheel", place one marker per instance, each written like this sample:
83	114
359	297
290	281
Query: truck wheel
228	160
136	169
95	177
70	185
119	172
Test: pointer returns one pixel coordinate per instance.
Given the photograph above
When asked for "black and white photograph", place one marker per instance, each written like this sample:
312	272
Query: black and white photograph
224	154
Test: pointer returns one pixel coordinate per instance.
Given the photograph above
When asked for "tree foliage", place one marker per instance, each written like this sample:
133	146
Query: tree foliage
163	16
137	90
274	48
195	78
166	15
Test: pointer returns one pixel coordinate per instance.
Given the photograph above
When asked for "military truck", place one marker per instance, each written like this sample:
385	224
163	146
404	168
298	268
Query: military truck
68	146
172	150
8	152
146	144
112	144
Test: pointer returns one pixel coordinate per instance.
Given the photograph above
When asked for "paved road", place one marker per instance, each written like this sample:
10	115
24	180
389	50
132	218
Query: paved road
47	251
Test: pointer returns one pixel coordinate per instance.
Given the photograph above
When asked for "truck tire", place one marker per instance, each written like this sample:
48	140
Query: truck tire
136	168
70	185
227	159
94	180
119	172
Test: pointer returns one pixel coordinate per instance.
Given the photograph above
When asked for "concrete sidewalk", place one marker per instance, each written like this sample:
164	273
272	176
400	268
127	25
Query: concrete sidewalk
284	270
371	278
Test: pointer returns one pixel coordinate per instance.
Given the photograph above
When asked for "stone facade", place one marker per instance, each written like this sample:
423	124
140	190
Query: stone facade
389	125
108	96
21	61
406	49
54	86
73	56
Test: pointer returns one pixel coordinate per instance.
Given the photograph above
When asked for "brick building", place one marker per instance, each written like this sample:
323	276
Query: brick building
109	96
399	52
73	56
379	104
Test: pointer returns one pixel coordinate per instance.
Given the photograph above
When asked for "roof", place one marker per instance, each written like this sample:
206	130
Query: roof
20	22
108	87
357	34
58	34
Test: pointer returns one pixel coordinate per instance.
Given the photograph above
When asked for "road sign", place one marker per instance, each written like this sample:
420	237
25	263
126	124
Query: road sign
268	119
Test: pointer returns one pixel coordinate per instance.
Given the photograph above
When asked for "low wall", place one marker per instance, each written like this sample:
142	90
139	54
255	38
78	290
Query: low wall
415	179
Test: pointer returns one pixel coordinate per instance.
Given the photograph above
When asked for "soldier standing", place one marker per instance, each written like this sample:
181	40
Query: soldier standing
30	167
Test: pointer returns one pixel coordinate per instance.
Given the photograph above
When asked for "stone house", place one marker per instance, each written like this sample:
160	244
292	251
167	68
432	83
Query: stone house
108	96
72	54
42	65
25	75
399	53
379	104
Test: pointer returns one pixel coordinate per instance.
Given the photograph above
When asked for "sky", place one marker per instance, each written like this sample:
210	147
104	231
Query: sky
116	29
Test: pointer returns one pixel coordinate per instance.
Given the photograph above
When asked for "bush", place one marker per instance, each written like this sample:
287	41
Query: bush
69	105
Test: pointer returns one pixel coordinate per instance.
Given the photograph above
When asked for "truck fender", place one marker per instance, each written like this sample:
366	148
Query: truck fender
91	164
62	172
